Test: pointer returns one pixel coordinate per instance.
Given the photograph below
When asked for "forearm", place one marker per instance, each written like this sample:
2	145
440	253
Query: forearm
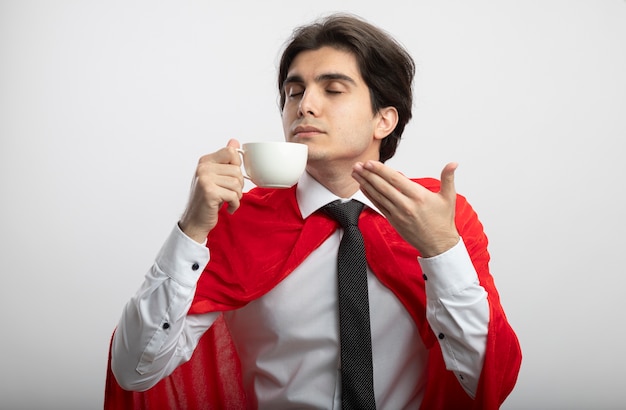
458	313
154	335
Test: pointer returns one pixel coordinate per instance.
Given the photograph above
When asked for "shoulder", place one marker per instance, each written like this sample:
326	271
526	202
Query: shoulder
262	204
268	198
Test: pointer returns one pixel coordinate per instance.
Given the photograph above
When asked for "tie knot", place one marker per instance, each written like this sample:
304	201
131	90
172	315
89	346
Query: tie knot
346	213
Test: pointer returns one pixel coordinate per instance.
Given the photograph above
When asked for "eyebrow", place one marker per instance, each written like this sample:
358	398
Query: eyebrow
320	78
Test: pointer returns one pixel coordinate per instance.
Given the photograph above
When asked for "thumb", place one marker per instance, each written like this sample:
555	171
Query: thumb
233	143
234	157
447	180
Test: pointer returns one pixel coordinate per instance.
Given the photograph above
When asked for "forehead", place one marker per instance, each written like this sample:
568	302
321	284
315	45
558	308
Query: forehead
312	63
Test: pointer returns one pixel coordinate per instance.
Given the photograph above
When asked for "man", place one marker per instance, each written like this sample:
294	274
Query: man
260	321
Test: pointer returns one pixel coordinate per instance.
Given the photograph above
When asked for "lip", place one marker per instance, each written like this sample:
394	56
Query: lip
303	131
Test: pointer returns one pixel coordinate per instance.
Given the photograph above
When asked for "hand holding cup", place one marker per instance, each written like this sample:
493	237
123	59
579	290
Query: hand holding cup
219	179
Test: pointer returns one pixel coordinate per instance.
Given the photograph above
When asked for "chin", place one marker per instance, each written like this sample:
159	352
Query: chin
316	154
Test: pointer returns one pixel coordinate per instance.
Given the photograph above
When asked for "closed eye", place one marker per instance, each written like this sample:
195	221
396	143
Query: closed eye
294	90
337	85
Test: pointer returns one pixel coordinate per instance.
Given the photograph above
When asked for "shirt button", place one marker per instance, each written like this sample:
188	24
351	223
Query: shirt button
424	276
195	267
166	326
441	336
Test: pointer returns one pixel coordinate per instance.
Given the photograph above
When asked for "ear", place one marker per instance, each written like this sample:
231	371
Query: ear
386	121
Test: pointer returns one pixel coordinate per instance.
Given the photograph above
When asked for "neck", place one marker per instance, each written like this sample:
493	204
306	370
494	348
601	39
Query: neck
339	182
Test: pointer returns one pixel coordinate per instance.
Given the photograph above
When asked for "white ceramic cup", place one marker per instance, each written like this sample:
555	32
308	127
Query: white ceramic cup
274	164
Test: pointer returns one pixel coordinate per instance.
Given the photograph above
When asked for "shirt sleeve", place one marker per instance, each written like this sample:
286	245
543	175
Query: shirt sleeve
458	312
155	335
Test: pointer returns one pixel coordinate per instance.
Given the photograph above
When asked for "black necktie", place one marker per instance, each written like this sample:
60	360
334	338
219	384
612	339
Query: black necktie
357	379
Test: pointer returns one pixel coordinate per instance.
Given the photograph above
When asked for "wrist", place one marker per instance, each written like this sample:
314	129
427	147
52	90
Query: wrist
197	234
438	247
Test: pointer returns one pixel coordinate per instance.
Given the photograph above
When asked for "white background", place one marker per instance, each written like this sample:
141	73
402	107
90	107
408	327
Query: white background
106	106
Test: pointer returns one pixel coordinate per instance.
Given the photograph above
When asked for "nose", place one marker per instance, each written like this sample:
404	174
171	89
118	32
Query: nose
308	104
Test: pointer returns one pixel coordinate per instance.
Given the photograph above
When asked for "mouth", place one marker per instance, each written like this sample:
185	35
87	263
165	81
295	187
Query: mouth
305	131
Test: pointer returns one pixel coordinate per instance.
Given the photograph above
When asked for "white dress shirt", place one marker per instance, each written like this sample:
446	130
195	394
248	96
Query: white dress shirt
288	340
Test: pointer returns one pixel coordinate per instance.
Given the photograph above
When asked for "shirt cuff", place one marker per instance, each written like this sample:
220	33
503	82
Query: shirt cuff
448	273
182	259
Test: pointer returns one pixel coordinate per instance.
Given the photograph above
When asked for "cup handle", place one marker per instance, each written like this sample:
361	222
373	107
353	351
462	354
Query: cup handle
243	168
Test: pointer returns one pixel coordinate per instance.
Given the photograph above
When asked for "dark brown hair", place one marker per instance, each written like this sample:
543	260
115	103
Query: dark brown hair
386	67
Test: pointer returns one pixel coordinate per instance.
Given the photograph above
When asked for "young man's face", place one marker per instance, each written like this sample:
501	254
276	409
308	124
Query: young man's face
328	108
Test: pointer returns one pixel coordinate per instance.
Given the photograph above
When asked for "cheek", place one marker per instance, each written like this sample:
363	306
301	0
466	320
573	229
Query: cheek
287	119
356	127
290	110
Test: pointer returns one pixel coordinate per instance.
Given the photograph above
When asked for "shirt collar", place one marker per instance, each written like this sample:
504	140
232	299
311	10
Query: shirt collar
312	195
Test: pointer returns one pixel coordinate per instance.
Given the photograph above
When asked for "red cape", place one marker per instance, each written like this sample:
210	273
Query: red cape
268	233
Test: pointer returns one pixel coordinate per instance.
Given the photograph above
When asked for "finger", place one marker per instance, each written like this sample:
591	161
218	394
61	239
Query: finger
378	204
390	183
232	183
233	202
231	190
376	187
233	143
359	175
379	169
220	189
213	168
447	180
226	155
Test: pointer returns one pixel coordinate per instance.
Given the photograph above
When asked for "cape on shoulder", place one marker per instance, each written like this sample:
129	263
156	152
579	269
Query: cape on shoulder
260	244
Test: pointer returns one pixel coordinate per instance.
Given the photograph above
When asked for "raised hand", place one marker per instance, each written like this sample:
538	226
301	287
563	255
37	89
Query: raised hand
423	218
